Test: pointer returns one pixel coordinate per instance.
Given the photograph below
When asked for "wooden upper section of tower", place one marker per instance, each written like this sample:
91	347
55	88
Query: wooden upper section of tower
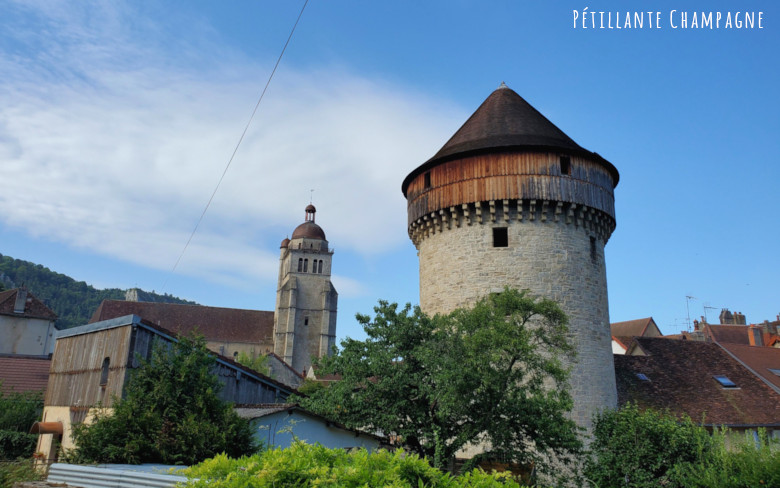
507	150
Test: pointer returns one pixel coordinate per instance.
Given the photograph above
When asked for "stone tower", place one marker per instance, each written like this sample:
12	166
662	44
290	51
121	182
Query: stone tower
510	200
305	315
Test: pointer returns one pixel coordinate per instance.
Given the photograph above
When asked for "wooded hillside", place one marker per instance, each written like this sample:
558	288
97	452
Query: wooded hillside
73	301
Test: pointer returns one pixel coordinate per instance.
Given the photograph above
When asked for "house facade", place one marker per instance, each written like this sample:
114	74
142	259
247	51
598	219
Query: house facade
27	326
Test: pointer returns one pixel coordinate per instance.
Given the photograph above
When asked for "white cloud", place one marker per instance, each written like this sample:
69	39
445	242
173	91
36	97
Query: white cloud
110	143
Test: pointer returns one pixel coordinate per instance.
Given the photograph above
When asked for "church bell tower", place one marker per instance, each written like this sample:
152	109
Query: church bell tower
306	301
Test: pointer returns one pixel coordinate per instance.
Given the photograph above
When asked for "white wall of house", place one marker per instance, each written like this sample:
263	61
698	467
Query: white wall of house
27	336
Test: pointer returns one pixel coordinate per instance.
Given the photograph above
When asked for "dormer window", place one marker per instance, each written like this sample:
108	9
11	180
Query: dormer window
724	381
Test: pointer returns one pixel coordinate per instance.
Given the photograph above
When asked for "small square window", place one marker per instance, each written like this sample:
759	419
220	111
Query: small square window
724	381
500	237
642	376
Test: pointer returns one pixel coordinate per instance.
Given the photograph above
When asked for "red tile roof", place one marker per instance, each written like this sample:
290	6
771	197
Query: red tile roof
681	380
22	373
33	308
631	328
735	334
760	359
215	323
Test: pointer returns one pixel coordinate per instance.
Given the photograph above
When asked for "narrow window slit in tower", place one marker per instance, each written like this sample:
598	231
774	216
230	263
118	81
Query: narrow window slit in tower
306	321
500	237
104	372
593	253
428	180
565	165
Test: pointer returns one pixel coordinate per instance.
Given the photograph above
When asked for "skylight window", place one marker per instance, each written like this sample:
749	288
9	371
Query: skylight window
642	377
724	381
774	371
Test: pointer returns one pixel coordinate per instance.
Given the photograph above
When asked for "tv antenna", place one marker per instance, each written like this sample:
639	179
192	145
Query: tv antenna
707	307
688	299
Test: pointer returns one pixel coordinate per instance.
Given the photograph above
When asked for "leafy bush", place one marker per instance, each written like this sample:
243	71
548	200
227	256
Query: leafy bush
259	363
170	414
303	465
633	448
16	471
18	411
751	462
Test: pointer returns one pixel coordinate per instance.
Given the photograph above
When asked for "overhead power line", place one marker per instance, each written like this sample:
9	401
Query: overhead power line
238	144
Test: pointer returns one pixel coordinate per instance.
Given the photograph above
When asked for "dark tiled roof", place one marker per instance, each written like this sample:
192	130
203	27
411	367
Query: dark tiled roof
759	359
215	323
624	341
20	373
681	380
630	328
506	121
33	308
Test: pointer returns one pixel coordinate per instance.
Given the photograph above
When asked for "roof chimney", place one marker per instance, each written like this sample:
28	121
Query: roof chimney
755	336
725	317
21	300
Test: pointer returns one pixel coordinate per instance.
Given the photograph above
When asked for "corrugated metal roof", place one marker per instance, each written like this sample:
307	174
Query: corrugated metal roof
117	476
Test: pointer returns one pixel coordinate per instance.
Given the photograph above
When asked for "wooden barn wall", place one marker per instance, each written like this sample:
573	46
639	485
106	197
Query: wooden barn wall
511	176
77	365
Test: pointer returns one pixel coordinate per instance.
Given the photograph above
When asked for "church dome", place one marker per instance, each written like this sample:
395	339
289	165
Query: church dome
310	230
285	243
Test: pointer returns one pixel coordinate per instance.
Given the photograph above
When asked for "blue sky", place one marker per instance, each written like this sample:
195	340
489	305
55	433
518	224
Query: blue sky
117	120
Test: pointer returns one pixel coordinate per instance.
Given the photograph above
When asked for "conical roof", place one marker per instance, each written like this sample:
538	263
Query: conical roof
506	121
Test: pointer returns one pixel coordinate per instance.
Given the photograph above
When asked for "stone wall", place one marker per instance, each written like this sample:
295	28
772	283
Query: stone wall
555	258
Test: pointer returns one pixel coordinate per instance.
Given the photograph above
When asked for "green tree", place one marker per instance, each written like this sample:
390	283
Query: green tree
633	448
258	363
18	412
170	414
491	373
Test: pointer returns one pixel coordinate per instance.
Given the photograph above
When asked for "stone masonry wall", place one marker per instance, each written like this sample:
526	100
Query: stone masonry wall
553	259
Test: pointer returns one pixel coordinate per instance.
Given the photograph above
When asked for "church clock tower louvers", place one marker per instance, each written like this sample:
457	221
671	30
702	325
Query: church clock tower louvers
510	200
306	301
